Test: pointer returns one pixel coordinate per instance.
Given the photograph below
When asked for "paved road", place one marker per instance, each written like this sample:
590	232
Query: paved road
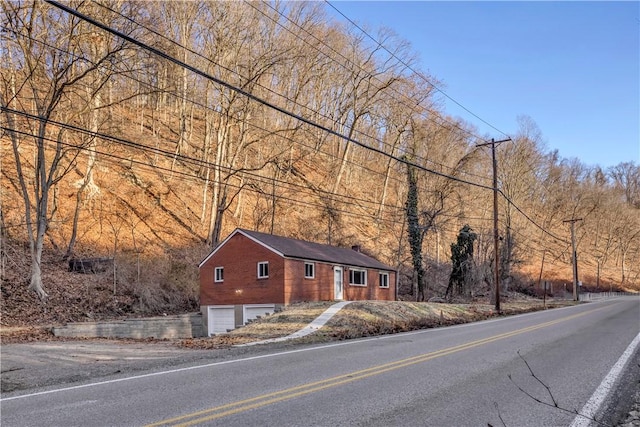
454	376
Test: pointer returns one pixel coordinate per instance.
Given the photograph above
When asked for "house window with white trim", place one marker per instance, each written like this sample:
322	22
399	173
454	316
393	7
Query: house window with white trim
384	279
309	270
218	274
357	277
263	270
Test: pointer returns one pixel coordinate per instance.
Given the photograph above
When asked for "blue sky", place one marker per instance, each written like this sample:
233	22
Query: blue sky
573	67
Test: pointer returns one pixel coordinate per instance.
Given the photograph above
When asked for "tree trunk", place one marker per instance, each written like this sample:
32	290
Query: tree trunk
215	222
87	184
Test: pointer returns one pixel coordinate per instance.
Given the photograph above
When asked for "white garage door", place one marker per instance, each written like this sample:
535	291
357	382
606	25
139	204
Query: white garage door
252	311
221	319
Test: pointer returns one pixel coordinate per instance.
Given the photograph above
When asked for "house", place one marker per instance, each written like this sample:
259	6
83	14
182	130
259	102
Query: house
251	274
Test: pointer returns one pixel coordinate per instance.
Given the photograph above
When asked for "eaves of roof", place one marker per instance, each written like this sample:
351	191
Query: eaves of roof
300	249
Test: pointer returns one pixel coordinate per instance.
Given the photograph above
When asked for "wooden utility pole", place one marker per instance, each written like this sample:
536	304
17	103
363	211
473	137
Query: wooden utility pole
573	221
598	274
496	269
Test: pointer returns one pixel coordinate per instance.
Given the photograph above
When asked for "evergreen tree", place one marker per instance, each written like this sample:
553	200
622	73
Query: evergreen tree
462	263
414	230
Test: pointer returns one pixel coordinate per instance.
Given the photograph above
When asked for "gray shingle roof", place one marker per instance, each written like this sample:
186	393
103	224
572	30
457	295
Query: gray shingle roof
294	248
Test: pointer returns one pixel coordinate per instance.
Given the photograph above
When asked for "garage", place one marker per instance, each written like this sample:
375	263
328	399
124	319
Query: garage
221	319
253	311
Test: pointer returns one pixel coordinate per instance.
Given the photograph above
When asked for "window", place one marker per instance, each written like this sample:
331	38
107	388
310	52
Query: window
384	280
309	270
263	270
357	277
218	274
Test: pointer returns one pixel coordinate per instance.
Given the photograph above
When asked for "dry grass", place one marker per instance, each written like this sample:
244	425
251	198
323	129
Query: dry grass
364	318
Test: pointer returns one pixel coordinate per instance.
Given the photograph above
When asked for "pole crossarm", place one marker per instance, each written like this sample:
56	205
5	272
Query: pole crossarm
493	143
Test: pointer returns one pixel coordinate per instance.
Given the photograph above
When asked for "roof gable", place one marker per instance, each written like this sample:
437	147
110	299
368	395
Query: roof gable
294	248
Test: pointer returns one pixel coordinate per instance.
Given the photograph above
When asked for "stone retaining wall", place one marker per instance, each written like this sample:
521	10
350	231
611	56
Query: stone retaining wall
165	327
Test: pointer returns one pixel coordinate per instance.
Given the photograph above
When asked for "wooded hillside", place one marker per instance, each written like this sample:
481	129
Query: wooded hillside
147	131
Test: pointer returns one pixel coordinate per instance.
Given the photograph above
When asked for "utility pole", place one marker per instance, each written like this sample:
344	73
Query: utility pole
496	269
573	221
598	274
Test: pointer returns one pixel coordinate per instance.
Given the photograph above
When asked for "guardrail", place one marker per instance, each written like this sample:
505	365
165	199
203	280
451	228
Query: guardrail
593	296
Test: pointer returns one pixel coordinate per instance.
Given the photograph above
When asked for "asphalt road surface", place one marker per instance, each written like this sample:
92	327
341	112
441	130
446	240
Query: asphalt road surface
529	370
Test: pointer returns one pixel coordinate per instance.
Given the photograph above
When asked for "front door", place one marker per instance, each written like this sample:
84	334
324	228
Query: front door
337	283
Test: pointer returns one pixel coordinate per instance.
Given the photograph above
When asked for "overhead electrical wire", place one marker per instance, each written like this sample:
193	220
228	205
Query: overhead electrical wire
252	96
213	110
110	157
261	179
198	162
304	40
559	244
443	175
414	71
264	179
360	165
275	107
430	83
255	98
201	56
191	177
198	54
541	228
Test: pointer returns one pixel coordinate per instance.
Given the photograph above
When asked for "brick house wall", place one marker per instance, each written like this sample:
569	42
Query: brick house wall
242	296
239	258
372	291
286	283
298	288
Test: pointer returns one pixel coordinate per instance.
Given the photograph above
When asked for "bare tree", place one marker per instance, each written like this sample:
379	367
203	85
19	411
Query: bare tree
520	163
626	177
48	65
182	22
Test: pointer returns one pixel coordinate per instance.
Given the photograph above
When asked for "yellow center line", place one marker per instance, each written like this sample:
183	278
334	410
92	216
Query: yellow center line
307	388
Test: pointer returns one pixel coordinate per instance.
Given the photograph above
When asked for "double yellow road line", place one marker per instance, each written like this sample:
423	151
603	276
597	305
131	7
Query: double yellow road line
304	389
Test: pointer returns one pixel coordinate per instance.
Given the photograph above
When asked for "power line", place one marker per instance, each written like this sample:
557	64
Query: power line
250	95
213	110
466	131
209	60
208	107
199	162
185	175
270	105
151	30
191	177
191	160
529	218
414	71
109	157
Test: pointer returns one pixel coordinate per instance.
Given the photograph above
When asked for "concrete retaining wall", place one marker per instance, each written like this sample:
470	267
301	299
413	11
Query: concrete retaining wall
166	327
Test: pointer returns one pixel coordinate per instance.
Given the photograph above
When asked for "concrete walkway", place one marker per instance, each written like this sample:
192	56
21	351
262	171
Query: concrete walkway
309	329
